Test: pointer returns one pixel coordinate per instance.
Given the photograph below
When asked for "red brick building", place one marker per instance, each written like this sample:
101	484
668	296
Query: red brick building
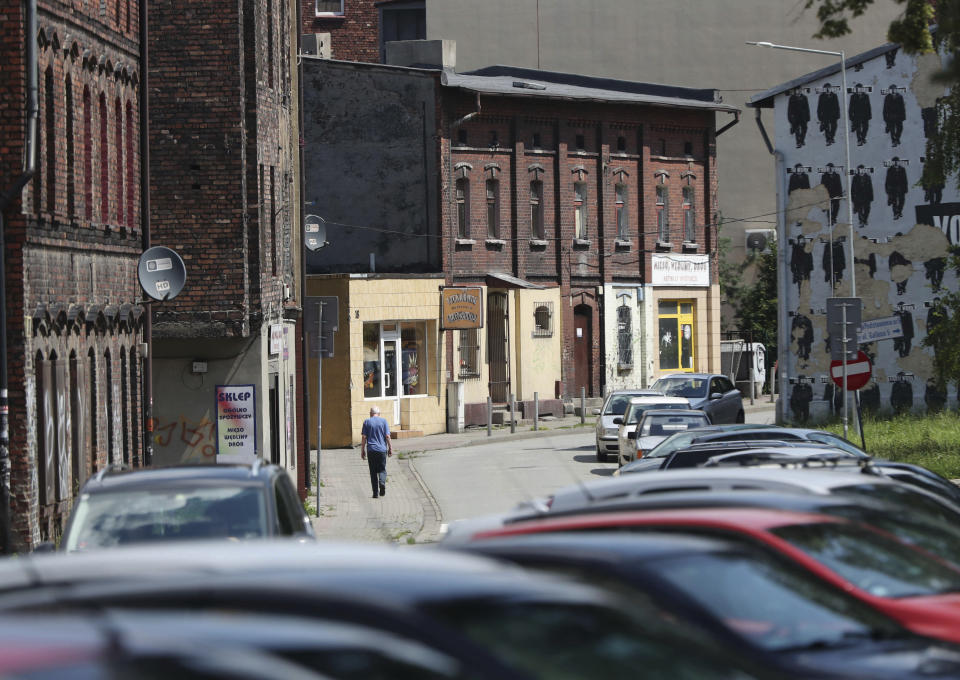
73	237
358	30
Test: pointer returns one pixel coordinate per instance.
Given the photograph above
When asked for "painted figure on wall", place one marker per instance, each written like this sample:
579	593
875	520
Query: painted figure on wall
802	331
798	178
934	397
860	112
901	269
894	113
861	193
800	397
834	185
902	344
801	263
896	185
891	57
870	398
901	394
870	262
798	115
828	112
834	262
933	270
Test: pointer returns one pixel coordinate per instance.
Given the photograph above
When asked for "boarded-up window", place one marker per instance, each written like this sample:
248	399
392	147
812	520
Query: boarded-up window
624	337
46	431
62	415
78	447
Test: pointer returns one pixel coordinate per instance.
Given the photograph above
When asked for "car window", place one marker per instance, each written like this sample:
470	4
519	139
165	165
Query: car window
142	515
617	404
904	497
287	523
872	561
671	444
837	442
682	387
637	411
656	425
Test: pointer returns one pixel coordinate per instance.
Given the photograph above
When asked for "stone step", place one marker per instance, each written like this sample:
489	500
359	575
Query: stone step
405	434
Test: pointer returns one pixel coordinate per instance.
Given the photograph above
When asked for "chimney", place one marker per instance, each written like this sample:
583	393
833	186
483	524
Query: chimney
435	54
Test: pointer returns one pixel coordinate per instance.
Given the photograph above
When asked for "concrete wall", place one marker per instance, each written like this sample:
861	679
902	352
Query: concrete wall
899	257
370	167
636	375
537	359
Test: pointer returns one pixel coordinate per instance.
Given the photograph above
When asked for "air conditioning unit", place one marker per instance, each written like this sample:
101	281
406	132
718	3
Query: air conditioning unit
316	45
759	240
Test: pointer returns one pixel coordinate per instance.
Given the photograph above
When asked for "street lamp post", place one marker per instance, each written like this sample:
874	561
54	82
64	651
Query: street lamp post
846	149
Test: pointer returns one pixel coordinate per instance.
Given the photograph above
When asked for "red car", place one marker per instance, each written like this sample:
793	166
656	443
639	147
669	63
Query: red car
908	584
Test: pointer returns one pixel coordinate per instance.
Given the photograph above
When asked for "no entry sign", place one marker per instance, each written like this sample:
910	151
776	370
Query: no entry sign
859	370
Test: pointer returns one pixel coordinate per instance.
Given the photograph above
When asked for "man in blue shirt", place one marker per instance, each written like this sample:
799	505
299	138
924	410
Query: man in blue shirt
375	446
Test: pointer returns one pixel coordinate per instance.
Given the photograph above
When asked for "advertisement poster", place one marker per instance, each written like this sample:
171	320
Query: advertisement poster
236	423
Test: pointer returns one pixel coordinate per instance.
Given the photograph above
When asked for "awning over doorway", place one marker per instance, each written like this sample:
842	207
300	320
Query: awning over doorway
497	280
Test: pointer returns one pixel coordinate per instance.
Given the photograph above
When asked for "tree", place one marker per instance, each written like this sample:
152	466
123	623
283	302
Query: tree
915	33
755	304
943	329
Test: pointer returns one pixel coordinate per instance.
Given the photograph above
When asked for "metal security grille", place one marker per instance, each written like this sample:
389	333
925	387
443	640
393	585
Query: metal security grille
543	320
498	347
624	337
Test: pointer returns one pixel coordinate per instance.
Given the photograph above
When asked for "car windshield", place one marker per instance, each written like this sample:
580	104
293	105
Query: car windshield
787	608
144	515
940	538
682	387
916	502
637	410
617	404
560	641
836	442
673	443
657	425
873	562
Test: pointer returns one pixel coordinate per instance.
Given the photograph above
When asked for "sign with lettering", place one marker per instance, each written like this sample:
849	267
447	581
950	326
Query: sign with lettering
276	338
943	216
461	308
881	329
236	423
681	270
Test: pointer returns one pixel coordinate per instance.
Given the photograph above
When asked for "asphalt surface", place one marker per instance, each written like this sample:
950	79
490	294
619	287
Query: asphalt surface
409	513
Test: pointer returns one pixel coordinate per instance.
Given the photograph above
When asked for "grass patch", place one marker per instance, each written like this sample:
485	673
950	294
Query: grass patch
310	508
409	455
930	440
397	535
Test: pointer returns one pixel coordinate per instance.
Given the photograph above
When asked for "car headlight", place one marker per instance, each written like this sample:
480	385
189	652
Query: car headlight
610	432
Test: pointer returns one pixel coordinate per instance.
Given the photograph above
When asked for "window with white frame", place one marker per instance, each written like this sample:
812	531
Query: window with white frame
624	337
663	214
543	320
580	210
689	216
623	217
328	7
468	351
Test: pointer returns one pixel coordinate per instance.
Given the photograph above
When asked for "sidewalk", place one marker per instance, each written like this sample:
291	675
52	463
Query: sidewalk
408	513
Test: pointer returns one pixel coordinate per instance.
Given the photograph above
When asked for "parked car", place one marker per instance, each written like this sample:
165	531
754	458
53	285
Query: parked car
627	423
738	452
751	599
614	405
710	392
186	502
528	625
658	424
901	580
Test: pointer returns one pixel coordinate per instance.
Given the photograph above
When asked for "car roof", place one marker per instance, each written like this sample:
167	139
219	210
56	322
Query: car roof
673	412
640	391
114	478
692	375
659	400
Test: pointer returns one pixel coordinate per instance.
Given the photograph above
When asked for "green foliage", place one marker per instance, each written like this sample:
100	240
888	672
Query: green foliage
754	305
942	335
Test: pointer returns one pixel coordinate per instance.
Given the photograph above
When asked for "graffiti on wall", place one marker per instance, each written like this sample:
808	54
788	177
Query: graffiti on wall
196	437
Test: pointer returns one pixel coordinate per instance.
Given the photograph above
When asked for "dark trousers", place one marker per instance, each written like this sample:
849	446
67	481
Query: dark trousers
377	462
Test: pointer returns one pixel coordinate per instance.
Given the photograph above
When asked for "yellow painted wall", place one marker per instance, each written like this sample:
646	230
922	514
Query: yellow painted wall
336	371
706	320
537	363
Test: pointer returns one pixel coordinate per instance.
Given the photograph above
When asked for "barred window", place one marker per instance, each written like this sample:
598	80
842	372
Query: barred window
536	209
469	353
624	337
580	210
623	217
689	216
543	320
493	208
463	208
663	214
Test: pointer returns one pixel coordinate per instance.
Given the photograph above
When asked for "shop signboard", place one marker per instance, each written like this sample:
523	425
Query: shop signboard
680	270
461	308
236	423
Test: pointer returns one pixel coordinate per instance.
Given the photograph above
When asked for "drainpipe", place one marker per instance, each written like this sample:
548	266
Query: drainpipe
303	423
783	268
145	231
29	168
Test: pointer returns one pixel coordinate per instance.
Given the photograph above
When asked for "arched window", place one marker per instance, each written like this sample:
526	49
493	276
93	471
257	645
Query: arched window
108	393
269	18
624	337
493	208
124	407
663	214
543	320
50	140
104	163
46	473
87	155
94	425
131	179
135	406
78	430
71	160
623	216
580	210
463	208
536	209
118	135
689	216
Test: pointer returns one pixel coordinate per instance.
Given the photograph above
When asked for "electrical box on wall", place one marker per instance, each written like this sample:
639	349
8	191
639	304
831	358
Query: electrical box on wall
316	45
199	367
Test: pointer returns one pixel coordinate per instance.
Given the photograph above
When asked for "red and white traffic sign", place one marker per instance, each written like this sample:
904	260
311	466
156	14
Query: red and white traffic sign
859	371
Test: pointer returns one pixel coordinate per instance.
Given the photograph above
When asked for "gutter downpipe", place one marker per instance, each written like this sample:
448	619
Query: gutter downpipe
304	390
782	270
145	231
29	169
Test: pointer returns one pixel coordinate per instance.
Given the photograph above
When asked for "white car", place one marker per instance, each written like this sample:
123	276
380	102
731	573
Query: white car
627	423
614	405
658	424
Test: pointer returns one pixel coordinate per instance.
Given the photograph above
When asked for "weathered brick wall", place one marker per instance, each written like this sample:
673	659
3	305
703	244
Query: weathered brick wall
355	36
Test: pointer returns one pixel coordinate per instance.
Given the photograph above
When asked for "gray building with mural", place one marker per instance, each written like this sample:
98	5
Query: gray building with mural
890	242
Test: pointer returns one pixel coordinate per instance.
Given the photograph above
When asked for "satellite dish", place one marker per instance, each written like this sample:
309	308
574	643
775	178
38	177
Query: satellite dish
314	232
759	240
161	273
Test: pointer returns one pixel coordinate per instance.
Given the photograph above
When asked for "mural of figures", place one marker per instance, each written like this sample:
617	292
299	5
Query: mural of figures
894	113
833	395
860	113
833	262
901	395
891	57
800	398
828	112
870	398
933	269
834	185
896	185
798	115
798	178
861	193
932	193
802	331
902	344
900	270
870	261
801	263
934	397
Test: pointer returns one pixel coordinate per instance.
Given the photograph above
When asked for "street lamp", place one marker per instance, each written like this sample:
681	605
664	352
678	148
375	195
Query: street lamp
846	148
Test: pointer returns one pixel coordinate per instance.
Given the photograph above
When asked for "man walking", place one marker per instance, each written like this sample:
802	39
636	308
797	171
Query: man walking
375	446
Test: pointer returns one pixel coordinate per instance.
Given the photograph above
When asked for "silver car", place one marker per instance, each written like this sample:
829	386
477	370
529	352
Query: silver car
614	405
711	393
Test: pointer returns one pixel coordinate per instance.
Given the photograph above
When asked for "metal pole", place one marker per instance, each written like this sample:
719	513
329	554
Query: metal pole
319	394
513	419
772	386
846	144
489	417
843	339
583	405
536	410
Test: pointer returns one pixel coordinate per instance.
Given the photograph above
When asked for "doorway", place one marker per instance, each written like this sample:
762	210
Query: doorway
583	350
390	348
498	347
274	383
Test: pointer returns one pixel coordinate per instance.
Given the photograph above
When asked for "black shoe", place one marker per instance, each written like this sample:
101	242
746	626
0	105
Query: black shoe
383	490
376	496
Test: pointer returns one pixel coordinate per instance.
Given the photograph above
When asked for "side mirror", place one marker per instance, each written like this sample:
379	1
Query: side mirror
596	411
632	435
618	421
716	395
45	547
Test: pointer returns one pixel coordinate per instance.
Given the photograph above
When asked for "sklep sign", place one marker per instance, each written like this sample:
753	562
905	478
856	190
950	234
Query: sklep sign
236	423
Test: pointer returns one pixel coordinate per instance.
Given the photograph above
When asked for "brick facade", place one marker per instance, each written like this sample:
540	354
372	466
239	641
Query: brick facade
354	35
73	238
